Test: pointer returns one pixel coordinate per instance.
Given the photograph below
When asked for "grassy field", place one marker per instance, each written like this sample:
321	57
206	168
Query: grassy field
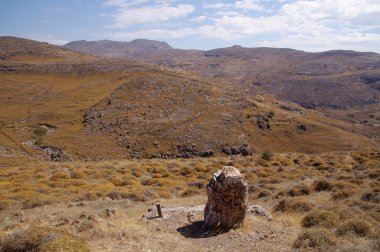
328	201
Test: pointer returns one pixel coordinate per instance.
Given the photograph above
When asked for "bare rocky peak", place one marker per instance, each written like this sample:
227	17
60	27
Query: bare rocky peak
108	48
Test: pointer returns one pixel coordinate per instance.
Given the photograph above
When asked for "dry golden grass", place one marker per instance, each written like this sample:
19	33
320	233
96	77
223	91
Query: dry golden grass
42	238
318	239
342	199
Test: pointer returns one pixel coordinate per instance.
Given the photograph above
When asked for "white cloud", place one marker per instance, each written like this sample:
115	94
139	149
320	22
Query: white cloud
145	14
123	3
216	6
305	24
242	4
248	5
199	19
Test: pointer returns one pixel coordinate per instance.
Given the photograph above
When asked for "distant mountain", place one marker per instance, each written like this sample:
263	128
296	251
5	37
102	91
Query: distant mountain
108	48
333	79
14	50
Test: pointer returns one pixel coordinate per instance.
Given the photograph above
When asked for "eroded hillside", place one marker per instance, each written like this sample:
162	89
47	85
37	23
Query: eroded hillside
99	109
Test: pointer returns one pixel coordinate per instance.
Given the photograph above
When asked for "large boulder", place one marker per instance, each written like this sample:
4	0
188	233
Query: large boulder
227	201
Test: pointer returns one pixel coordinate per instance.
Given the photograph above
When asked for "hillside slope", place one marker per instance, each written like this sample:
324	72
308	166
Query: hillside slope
336	79
19	50
101	109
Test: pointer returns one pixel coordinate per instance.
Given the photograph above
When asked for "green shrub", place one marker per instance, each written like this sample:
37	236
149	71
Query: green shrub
267	155
270	114
40	131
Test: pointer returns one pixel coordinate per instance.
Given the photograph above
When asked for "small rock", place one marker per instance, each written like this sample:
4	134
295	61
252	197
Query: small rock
226	150
246	151
235	150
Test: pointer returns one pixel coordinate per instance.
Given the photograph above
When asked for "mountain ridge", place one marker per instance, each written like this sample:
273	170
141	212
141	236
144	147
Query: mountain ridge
289	74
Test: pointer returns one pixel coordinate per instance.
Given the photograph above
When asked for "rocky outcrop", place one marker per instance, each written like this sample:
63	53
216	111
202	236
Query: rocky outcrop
54	154
227	201
244	150
263	122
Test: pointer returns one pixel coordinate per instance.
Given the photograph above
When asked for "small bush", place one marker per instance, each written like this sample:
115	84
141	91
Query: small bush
40	131
270	114
190	192
85	225
41	239
294	205
322	185
264	193
78	175
59	175
267	155
299	190
342	194
320	218
315	238
371	197
359	227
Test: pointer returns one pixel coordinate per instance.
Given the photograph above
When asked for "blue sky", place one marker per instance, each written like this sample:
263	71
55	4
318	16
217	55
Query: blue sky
310	25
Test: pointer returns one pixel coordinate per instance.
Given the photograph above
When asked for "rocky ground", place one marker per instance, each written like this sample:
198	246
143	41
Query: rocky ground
122	226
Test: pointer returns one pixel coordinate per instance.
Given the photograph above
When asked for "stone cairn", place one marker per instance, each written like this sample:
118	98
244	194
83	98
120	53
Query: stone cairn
227	201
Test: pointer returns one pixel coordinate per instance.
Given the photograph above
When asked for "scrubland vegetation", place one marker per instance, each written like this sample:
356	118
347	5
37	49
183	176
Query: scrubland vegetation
331	199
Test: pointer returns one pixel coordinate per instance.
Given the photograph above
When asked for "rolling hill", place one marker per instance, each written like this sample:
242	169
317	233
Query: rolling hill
124	132
333	79
94	108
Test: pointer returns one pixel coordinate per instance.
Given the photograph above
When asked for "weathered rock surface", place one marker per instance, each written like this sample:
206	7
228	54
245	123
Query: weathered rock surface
55	154
227	201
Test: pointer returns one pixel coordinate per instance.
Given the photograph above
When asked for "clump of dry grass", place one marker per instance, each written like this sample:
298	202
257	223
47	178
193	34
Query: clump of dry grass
323	185
357	226
342	194
296	205
371	197
299	190
320	218
39	238
316	238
